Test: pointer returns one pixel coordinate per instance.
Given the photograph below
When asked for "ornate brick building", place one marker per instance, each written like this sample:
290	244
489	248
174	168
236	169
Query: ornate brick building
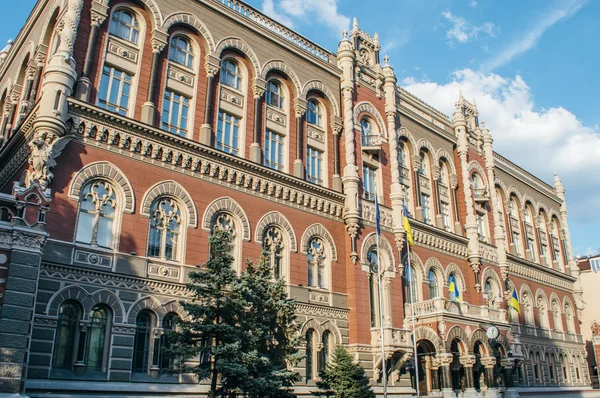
131	129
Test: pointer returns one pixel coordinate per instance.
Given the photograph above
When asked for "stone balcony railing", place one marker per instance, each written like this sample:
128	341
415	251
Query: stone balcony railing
533	331
461	309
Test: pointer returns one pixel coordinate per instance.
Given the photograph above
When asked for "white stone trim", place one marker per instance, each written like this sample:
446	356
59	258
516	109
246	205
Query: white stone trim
227	205
320	86
190	20
322	232
175	190
277	219
241	45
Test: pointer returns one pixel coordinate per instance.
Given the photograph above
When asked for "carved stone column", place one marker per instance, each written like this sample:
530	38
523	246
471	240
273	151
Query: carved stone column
460	129
300	110
7	118
416	164
26	105
336	128
40	59
255	151
435	175
159	42
98	15
350	179
499	233
212	67
444	360
454	185
467	361
435	378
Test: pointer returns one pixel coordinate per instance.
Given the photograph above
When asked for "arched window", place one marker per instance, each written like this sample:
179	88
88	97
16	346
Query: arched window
527	309
402	155
230	74
325	350
314	114
425	199
169	324
141	345
66	336
373	262
274	246
181	51
368	136
317	257
537	366
569	318
433	284
550	365
125	26
410	284
424	165
97	210
96	338
274	94
532	249
165	229
516	229
543	312
309	359
563	361
224	222
556	316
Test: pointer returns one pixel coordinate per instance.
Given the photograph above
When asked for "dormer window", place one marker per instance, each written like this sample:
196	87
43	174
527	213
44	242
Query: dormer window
181	51
274	94
125	26
230	74
314	114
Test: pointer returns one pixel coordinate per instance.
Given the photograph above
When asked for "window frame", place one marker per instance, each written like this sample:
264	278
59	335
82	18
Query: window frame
274	141
314	160
181	105
163	230
115	219
136	19
277	97
316	110
228	76
188	54
369	184
235	132
105	104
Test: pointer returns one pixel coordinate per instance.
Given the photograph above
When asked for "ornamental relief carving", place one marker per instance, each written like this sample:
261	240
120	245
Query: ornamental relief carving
367	213
276	116
315	134
181	76
231	97
123	51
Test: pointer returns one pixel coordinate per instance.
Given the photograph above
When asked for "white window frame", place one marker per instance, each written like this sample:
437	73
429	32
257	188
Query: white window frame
180	130
110	87
369	182
228	147
314	162
175	50
274	143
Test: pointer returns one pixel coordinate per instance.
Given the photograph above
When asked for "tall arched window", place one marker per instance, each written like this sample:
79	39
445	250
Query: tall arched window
224	222
444	192
230	74
543	312
309	359
410	284
544	239
141	345
66	336
175	113
97	210
532	249
433	284
402	155
125	26
169	324
368	135
373	263
550	365
314	113
556	316
527	309
165	229
96	338
274	94
537	366
181	51
325	350
274	245
569	319
515	226
425	188
317	258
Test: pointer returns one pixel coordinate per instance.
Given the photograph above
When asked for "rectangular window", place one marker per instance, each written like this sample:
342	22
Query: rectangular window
425	203
595	264
481	226
369	183
446	215
531	247
273	150
516	240
115	88
314	166
175	112
228	131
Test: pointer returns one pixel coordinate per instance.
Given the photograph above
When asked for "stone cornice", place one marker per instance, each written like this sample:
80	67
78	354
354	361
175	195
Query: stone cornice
151	145
320	310
431	237
540	274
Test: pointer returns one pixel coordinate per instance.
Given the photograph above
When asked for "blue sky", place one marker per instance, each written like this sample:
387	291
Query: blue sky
532	67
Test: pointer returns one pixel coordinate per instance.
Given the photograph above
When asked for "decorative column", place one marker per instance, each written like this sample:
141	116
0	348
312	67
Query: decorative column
258	90
212	67
25	105
159	41
499	233
40	59
7	118
300	110
571	266
435	378
489	363
350	179
416	165
435	175
98	15
454	185
445	359
467	361
474	256
336	128
397	193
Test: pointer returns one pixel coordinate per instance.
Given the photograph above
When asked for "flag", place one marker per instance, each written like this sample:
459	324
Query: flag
453	288
409	235
514	301
377	216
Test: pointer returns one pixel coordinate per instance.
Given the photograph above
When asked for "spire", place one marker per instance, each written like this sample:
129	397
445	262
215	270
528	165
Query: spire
460	96
558	185
355	24
4	52
376	39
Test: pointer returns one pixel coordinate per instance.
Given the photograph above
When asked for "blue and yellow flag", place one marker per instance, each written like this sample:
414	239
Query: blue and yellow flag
453	288
514	301
409	235
377	216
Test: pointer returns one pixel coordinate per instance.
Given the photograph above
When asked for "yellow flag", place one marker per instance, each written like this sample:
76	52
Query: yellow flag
409	235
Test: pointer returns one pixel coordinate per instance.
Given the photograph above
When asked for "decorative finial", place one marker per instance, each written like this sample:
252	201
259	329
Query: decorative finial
474	103
386	60
376	38
10	41
460	96
355	24
345	34
482	124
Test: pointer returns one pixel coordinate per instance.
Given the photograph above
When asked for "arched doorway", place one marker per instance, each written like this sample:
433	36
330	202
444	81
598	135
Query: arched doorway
502	377
427	367
457	348
478	369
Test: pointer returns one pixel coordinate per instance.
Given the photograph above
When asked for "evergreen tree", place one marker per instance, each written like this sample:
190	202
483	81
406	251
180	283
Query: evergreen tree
270	318
212	332
343	378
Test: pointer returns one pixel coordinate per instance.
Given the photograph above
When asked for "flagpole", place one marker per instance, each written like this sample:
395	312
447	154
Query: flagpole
380	294
412	309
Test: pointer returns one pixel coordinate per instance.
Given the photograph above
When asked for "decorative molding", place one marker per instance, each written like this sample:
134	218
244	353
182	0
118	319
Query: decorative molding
275	218
322	311
366	107
281	66
242	46
108	171
174	190
189	19
92	258
367	212
150	145
545	276
368	243
231	97
276	116
320	86
322	232
227	205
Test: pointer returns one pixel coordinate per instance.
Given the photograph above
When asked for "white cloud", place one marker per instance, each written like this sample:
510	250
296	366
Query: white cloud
462	31
526	40
472	3
309	11
542	141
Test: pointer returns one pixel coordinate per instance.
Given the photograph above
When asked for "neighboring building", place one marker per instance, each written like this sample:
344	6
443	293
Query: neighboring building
132	129
590	317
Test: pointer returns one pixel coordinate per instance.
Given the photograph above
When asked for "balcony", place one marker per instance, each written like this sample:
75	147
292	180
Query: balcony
371	143
458	309
481	195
